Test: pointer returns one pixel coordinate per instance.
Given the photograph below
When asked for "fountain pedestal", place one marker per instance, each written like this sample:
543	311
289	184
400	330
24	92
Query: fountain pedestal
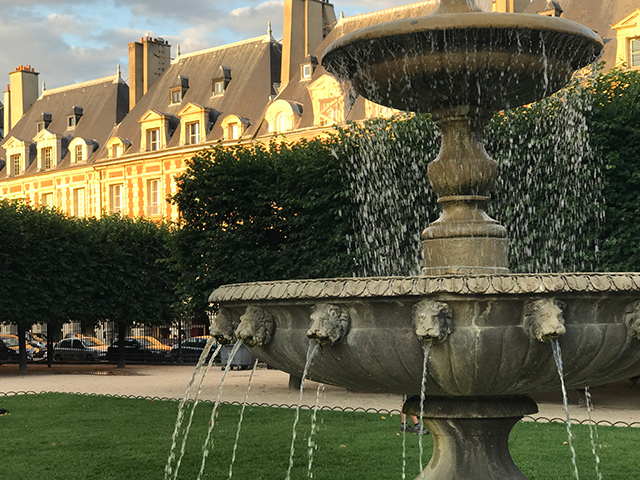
470	435
464	240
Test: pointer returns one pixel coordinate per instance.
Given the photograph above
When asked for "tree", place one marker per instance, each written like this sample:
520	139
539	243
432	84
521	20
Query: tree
258	212
128	273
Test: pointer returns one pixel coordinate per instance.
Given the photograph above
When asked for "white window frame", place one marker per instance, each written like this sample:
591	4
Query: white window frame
47	157
153	197
79	202
153	144
16	164
634	62
193	133
218	88
46	199
115	197
78	154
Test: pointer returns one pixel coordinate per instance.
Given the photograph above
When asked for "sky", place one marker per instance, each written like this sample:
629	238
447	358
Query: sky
71	41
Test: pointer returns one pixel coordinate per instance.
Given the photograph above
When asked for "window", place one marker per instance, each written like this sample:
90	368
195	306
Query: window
16	162
634	52
218	87
115	151
39	127
233	130
153	197
115	198
176	95
46	200
71	121
78	202
78	153
193	133
306	70
47	158
153	139
281	122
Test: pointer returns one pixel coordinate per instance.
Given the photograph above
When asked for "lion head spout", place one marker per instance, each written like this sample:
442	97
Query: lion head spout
432	320
544	319
329	324
632	319
223	325
256	326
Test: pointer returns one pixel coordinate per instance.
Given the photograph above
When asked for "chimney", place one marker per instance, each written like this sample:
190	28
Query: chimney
148	60
306	24
22	92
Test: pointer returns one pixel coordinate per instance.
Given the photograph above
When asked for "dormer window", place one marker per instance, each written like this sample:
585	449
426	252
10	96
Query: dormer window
176	95
47	158
156	130
233	127
634	52
16	164
78	154
49	149
193	133
219	84
218	87
18	156
71	122
282	116
153	139
116	146
39	127
308	66
44	122
179	89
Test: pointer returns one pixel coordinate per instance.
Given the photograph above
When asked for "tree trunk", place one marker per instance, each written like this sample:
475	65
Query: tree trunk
49	344
23	350
122	333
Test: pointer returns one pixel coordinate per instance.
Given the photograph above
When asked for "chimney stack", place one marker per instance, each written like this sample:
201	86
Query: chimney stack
22	92
148	60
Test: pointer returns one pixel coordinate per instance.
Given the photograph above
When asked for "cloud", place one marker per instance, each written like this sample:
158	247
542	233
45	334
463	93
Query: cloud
252	21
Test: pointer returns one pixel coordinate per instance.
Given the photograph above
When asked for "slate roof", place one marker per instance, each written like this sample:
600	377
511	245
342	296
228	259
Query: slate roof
254	66
296	89
598	15
104	103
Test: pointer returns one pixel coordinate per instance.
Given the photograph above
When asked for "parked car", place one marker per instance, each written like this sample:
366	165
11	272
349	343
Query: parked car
192	349
79	349
153	342
136	350
38	342
13	342
7	353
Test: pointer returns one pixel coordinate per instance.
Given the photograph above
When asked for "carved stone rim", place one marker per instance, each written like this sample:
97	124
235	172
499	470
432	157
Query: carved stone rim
372	287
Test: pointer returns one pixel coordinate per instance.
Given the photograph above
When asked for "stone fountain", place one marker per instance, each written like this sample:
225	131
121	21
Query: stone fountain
489	329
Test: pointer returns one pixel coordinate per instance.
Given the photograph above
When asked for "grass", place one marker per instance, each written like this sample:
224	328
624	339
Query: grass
67	437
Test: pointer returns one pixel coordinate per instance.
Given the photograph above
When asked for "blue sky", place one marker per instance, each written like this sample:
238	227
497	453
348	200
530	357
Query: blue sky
70	41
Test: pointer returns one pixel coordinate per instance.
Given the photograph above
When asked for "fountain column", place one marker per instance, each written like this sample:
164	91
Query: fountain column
464	240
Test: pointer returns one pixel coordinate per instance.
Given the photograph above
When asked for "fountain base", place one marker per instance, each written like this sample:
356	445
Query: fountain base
470	435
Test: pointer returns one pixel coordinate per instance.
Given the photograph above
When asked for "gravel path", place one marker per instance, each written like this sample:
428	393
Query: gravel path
617	402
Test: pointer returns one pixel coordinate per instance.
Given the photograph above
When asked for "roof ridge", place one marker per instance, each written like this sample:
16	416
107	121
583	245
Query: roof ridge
386	10
261	38
88	83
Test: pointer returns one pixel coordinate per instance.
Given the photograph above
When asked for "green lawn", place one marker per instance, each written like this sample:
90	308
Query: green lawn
67	437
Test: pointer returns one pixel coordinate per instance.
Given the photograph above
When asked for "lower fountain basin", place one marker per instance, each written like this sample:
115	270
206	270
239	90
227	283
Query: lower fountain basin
492	349
443	61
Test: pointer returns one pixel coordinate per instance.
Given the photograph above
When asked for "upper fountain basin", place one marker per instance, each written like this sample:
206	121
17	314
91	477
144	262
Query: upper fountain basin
495	322
486	61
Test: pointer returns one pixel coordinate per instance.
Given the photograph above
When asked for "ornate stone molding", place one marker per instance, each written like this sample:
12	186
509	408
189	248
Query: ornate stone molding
423	285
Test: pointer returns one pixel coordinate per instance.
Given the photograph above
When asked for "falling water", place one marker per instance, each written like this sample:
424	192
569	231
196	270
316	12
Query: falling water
557	355
311	353
168	470
311	445
212	420
593	433
426	348
244	405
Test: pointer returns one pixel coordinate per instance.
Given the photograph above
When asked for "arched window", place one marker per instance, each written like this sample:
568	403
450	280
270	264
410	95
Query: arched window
281	123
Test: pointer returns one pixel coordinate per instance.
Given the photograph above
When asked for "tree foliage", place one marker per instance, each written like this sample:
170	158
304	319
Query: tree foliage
260	212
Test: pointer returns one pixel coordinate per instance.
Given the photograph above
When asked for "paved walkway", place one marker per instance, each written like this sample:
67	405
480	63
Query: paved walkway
614	402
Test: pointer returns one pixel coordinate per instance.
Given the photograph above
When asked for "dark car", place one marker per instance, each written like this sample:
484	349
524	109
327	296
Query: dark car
192	349
7	354
136	350
79	349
